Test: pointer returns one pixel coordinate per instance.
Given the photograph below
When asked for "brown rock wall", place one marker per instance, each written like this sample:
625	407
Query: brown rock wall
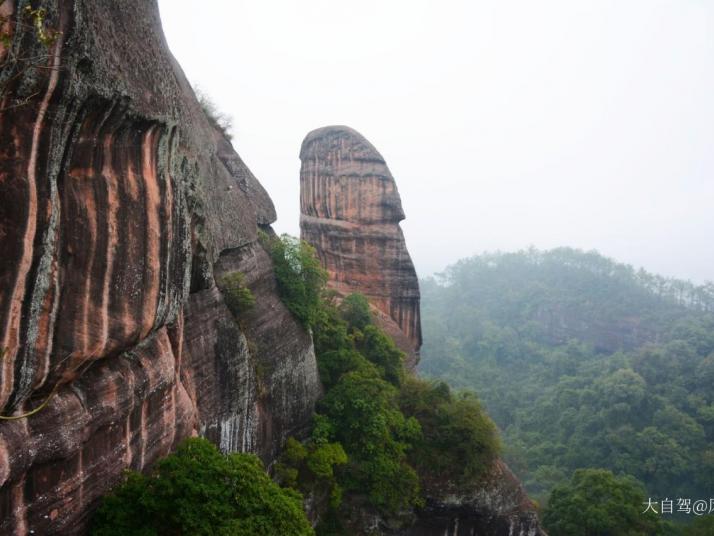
350	212
118	202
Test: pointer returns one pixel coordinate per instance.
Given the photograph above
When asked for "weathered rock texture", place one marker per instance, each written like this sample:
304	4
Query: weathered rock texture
350	212
120	210
498	507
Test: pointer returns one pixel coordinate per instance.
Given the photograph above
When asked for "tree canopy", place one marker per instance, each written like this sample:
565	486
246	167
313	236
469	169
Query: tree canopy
199	491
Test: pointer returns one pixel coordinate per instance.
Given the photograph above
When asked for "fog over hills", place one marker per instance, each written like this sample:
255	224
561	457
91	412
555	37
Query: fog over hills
506	124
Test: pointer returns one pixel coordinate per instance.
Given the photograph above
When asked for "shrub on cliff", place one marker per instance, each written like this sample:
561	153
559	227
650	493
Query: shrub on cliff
237	296
380	349
310	467
459	442
354	309
373	410
218	120
200	491
301	279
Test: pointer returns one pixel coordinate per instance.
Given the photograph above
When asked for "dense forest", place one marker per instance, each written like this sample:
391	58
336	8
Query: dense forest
582	363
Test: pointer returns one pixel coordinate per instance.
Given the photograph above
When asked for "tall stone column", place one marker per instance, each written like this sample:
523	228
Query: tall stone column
350	212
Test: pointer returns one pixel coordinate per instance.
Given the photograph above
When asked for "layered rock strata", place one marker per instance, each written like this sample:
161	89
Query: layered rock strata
350	212
120	210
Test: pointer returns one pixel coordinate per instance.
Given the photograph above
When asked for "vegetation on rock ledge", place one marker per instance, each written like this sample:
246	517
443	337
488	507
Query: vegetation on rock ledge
399	433
199	491
237	296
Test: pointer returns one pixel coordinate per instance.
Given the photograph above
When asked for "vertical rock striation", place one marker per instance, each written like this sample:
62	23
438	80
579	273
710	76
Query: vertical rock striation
350	212
120	208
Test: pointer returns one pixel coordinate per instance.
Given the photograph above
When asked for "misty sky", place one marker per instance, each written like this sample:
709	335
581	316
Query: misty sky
506	124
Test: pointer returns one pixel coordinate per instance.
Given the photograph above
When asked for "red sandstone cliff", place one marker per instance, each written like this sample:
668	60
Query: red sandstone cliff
350	212
120	208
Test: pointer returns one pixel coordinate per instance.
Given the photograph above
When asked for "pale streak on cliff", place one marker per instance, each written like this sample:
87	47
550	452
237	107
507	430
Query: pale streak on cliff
350	212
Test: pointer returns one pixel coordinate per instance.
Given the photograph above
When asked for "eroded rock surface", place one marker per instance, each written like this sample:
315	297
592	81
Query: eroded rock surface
120	208
350	212
499	506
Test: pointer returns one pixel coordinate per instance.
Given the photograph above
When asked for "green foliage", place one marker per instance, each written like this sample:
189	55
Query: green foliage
366	420
582	363
702	526
595	502
363	442
332	364
311	468
301	279
330	331
200	491
380	349
459	441
354	309
238	297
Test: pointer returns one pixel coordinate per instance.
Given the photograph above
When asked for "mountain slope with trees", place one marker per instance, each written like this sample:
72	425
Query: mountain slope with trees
582	362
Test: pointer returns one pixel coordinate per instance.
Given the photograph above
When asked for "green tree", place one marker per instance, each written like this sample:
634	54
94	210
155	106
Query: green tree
380	349
354	309
459	442
199	491
582	362
597	503
300	277
365	419
236	294
702	526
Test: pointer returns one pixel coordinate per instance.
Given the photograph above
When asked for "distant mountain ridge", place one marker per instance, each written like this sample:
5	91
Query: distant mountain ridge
567	293
582	362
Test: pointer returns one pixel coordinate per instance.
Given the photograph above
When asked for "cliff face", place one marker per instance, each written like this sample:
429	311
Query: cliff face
120	208
350	212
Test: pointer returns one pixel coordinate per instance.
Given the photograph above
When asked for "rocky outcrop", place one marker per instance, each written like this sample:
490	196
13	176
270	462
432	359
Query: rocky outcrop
120	209
350	212
499	506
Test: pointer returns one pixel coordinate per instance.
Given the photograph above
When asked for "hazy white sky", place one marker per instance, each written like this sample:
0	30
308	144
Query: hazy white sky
505	123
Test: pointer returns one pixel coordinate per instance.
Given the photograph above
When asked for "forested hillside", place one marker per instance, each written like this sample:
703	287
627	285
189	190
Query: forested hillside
582	362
